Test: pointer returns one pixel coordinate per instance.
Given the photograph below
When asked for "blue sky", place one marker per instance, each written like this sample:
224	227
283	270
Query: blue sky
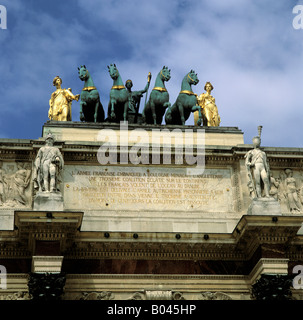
248	50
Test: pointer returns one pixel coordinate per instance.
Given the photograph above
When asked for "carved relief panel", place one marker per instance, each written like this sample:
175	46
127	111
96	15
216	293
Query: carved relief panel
15	184
287	188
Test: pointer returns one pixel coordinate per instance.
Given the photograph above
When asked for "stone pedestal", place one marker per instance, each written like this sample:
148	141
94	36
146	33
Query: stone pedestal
264	206
48	201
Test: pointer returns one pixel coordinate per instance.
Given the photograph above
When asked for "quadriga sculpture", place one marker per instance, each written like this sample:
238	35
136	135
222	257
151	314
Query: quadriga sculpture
186	102
118	104
91	109
158	102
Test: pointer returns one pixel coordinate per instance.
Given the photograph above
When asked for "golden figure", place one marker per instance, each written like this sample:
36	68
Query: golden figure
209	109
60	103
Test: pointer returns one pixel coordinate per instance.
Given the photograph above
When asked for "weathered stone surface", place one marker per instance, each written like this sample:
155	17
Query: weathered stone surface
6	219
48	201
264	206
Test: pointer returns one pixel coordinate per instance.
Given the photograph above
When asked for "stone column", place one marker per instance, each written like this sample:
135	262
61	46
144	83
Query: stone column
46	286
270	280
46	281
272	287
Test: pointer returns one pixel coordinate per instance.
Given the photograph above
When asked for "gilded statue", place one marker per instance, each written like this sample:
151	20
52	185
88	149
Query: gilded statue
60	103
209	109
48	166
256	163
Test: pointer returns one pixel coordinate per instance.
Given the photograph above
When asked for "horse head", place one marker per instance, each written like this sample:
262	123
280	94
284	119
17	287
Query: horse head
192	77
83	73
113	71
165	73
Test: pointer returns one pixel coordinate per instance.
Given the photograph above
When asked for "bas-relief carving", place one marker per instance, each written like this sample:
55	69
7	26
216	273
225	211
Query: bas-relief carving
15	188
153	295
287	188
104	295
157	295
21	295
214	296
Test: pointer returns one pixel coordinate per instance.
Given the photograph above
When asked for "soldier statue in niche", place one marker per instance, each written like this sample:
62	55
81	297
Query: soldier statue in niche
48	166
258	169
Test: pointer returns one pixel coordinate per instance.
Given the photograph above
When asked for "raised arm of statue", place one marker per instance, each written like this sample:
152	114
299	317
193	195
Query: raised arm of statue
147	85
69	95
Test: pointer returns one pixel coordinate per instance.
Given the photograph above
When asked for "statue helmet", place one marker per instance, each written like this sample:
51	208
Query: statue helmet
50	136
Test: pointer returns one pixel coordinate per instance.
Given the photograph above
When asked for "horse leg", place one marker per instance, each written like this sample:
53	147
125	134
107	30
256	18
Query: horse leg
181	112
112	114
82	104
168	116
143	113
97	106
125	112
153	110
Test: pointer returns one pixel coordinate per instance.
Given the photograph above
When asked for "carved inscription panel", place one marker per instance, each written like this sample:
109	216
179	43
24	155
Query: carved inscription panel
141	188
